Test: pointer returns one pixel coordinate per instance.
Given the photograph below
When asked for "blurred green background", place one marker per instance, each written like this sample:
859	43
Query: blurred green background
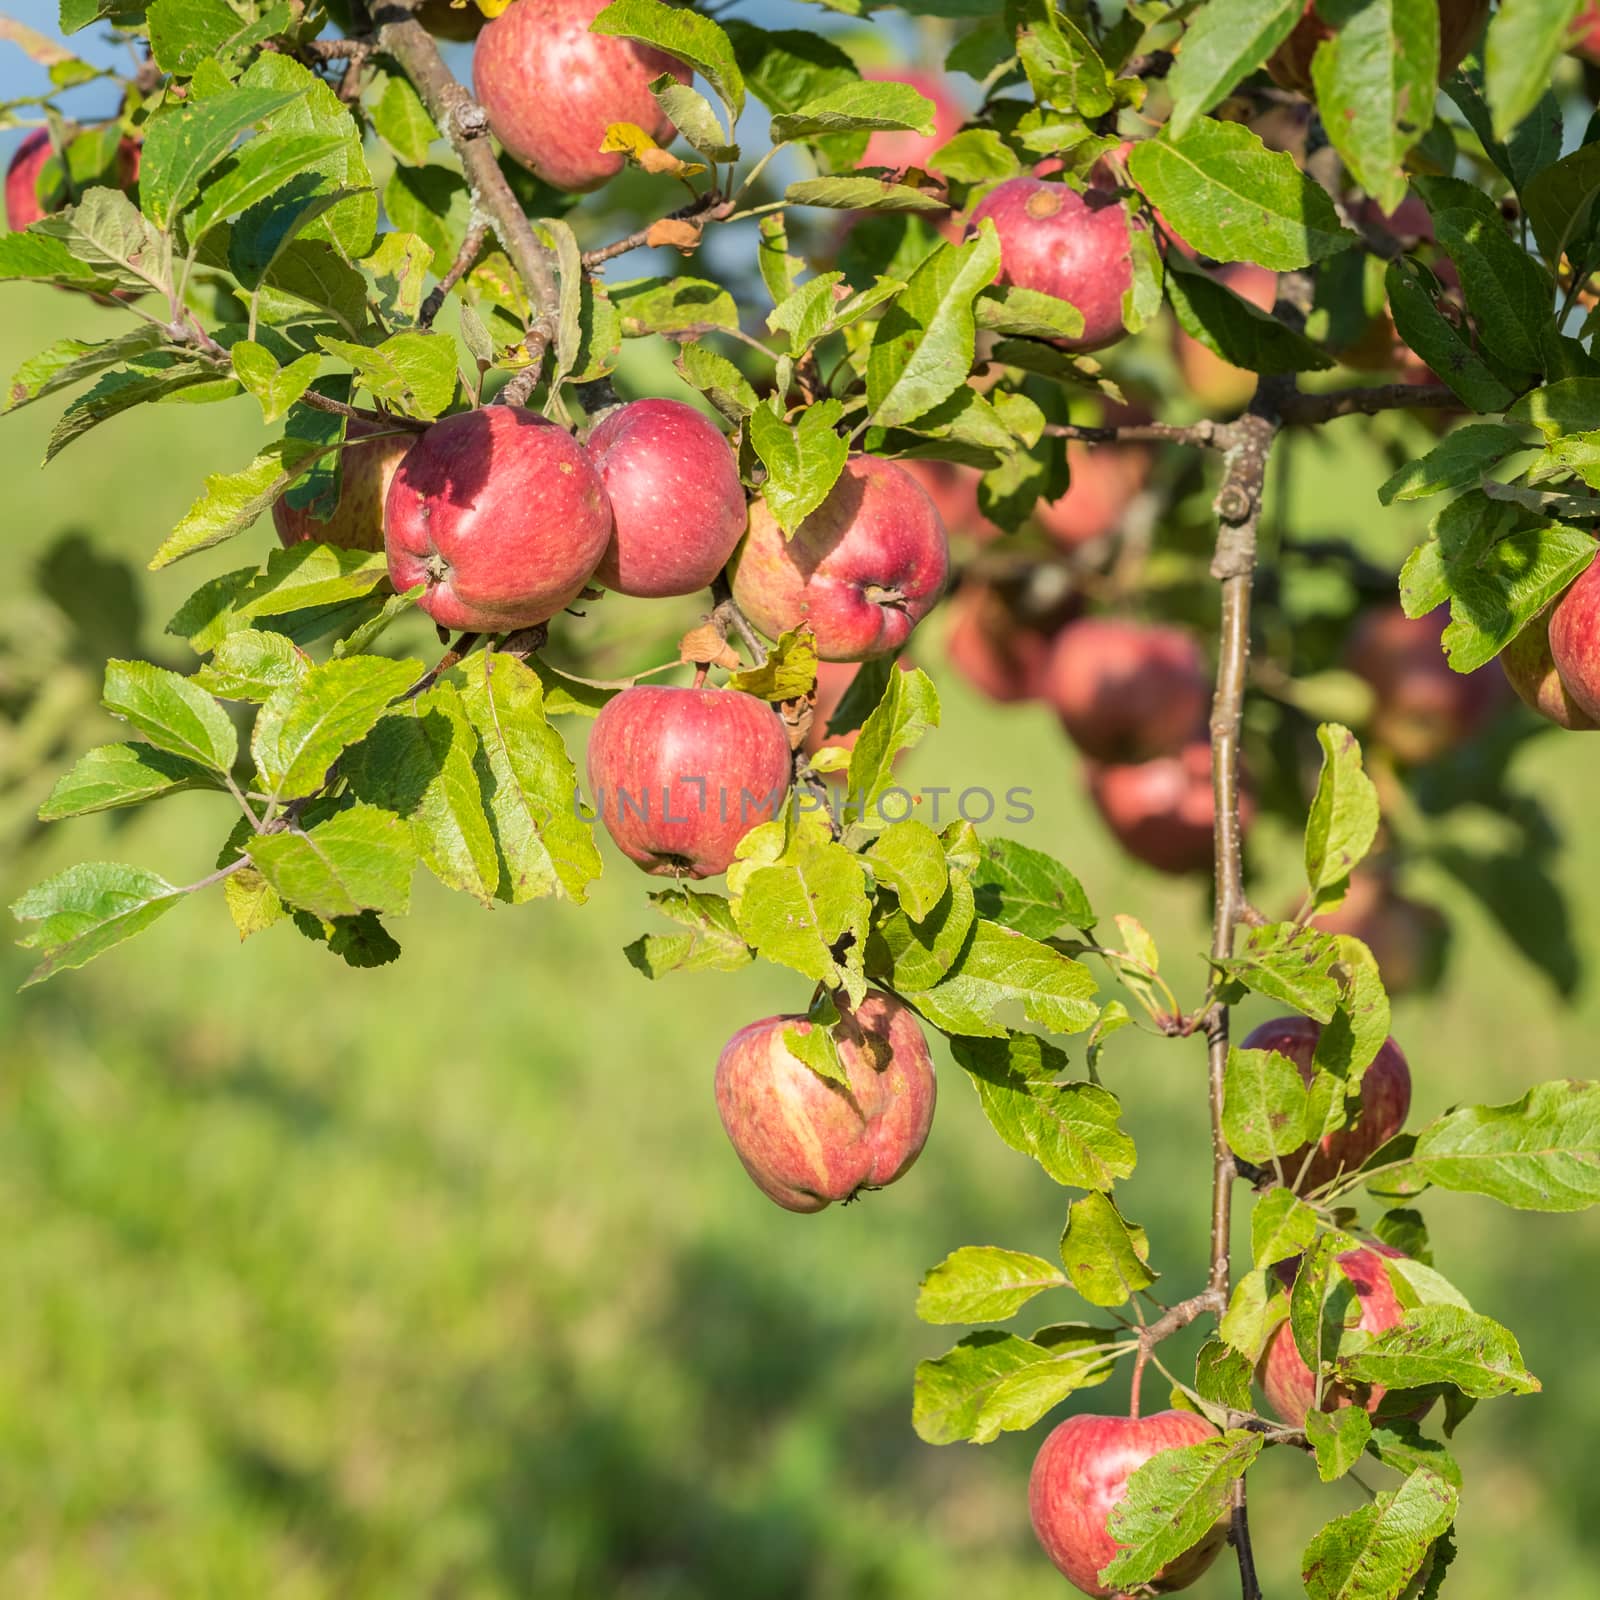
441	1279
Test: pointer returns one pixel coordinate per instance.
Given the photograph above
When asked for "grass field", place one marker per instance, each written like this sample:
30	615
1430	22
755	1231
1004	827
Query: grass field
441	1280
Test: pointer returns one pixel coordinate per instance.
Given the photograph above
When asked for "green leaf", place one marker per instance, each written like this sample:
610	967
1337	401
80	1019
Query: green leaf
70	361
174	714
186	139
815	1046
415	371
1229	326
976	155
86	910
420	761
713	943
971	1391
1524	42
983	1283
722	383
115	775
1061	61
184	33
1256	1308
691	114
1438	341
1289	964
1539	1153
304	727
787	68
997	967
672	305
1027	314
822	306
1225	42
1106	1257
275	388
360	859
1230	197
922	347
250	665
908	858
262	167
864	194
105	231
1281	1226
789	671
434	203
1264	1109
546	847
693	39
1173	1501
912	955
1029	891
1400	1444
1559	203
1338	1438
310	575
908	709
1375	79
1372	1553
803	459
1459	461
1222	1376
1343	820
1443	1344
402	121
145	378
1349	1044
41	259
1070	1129
853	107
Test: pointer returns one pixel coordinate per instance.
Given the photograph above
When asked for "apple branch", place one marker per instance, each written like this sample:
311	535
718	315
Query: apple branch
463	122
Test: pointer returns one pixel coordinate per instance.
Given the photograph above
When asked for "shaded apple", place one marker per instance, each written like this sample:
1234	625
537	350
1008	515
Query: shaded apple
1081	1474
1385	1100
677	507
1218	385
551	89
902	148
804	1139
680	776
1127	691
1104	480
460	23
1406	938
1460	23
501	513
1286	1380
994	647
24	205
862	570
1530	669
1422	708
953	488
365	473
1070	245
1161	811
1575	641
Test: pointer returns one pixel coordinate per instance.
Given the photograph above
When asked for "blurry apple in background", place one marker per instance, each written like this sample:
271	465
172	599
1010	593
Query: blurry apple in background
1081	1474
1160	811
1385	1101
1218	385
1575	641
365	473
1059	242
24	205
1127	691
1286	1380
1423	708
557	129
899	149
1406	937
1104	480
1460	23
806	1141
994	643
1585	37
862	570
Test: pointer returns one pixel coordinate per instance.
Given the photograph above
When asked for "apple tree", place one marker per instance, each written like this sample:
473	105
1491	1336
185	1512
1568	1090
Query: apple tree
1018	357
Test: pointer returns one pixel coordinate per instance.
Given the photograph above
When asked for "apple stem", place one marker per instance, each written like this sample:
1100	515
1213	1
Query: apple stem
1139	1363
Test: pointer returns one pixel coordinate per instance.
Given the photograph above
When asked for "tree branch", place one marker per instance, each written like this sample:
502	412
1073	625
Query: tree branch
710	206
462	121
471	244
1301	409
726	613
1205	435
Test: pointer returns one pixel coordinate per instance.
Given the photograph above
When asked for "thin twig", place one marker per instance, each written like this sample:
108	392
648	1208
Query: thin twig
459	268
1301	409
710	207
726	613
338	408
1205	435
456	653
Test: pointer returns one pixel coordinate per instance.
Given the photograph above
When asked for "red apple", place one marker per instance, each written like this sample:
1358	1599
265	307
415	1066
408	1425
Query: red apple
677	507
23	203
1288	1383
366	471
1127	691
1161	811
501	513
1218	385
1406	937
1074	246
1081	1474
680	776
953	488
994	648
1104	479
1575	641
1385	1100
1423	708
551	89
804	1140
906	149
1530	669
1460	23
1585	35
863	569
